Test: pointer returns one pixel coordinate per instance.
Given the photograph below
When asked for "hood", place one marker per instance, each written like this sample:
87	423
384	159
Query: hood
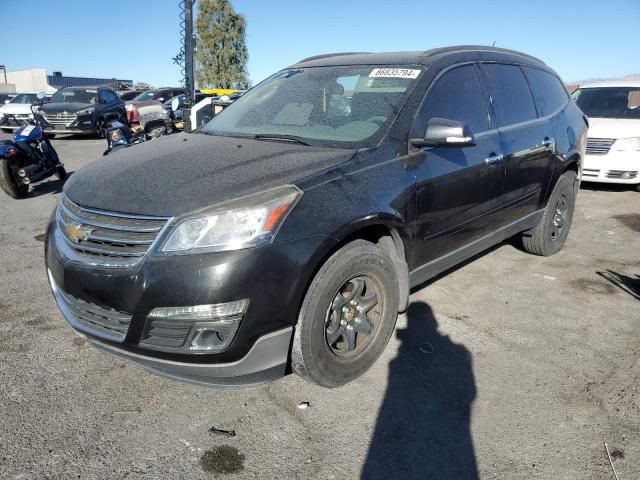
180	173
613	127
70	107
16	108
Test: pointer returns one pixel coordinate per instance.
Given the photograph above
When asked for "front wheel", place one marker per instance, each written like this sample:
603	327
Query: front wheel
9	181
61	173
347	315
7	130
548	237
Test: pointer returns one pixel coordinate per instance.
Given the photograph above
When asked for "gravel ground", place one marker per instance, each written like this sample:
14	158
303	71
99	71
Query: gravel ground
511	366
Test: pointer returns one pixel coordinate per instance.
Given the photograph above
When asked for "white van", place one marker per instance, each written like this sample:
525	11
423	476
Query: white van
613	144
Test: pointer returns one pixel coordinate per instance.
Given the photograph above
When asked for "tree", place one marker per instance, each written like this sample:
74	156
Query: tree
141	86
221	50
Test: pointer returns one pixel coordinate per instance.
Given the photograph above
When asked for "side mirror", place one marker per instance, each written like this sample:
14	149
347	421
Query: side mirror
40	95
442	132
175	104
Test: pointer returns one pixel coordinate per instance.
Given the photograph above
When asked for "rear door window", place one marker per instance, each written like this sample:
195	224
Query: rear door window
548	91
510	94
457	95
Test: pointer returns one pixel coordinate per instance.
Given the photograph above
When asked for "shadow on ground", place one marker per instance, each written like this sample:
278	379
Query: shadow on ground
423	427
626	283
44	188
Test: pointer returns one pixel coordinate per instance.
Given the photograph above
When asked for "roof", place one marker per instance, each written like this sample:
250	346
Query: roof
619	82
414	58
59	81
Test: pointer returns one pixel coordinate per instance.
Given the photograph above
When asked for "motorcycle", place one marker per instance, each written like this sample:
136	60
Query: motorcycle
29	157
120	136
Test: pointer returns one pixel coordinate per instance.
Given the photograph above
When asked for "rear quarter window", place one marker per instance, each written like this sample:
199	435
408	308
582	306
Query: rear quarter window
510	93
548	91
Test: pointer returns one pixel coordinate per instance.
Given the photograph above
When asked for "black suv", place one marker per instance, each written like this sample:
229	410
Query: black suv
289	231
82	110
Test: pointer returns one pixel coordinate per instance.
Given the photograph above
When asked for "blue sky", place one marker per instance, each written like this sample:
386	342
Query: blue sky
136	39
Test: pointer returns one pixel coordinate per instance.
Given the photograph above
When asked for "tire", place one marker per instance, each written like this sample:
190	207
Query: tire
50	135
8	183
326	305
7	130
548	237
61	173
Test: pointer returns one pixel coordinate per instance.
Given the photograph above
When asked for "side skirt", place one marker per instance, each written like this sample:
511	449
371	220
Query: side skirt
451	259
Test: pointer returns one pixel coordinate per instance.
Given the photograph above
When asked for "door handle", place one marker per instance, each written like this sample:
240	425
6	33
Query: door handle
547	142
494	159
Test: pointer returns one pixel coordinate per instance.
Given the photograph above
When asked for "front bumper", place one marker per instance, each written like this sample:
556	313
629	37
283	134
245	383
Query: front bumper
70	130
612	168
273	278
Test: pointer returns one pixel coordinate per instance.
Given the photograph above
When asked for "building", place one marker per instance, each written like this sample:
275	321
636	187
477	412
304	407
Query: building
37	80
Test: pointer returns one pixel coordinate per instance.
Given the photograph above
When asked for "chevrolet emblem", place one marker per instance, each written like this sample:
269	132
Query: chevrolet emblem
76	232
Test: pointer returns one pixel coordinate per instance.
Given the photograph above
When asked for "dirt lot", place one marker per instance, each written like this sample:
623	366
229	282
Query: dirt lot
510	367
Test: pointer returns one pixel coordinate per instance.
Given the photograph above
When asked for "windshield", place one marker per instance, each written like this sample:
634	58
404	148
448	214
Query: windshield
345	106
77	95
148	95
609	102
24	98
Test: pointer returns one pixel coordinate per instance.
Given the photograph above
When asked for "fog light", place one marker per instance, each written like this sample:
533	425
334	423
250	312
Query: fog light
626	175
212	327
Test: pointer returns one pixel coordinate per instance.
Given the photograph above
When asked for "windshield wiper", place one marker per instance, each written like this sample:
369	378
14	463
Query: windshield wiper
284	138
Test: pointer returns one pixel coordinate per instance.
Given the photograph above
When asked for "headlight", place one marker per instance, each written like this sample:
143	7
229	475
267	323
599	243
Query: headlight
86	111
239	223
626	144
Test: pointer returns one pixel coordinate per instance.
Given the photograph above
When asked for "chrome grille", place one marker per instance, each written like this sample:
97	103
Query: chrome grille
590	172
59	119
599	146
106	238
90	318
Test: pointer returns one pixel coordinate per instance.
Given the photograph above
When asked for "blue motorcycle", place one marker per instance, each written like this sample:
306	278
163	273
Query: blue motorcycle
28	158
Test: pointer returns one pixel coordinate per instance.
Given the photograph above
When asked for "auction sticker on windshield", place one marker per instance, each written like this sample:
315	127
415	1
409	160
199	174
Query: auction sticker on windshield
394	73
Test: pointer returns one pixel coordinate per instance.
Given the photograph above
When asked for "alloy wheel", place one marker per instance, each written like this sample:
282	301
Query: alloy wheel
560	218
353	316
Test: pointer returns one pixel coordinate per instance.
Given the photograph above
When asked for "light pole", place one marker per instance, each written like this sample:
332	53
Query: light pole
189	82
4	69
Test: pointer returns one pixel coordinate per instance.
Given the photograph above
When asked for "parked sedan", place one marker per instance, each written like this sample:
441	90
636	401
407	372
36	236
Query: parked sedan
82	110
17	111
147	98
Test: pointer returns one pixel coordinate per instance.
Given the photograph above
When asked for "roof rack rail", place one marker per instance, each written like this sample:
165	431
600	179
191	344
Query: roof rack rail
327	55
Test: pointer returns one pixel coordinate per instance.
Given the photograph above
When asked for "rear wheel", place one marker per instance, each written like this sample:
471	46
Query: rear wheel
6	130
9	181
50	135
548	237
347	316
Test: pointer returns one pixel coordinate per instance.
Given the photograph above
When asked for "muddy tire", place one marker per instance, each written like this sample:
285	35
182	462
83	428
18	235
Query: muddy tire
9	182
548	237
347	316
